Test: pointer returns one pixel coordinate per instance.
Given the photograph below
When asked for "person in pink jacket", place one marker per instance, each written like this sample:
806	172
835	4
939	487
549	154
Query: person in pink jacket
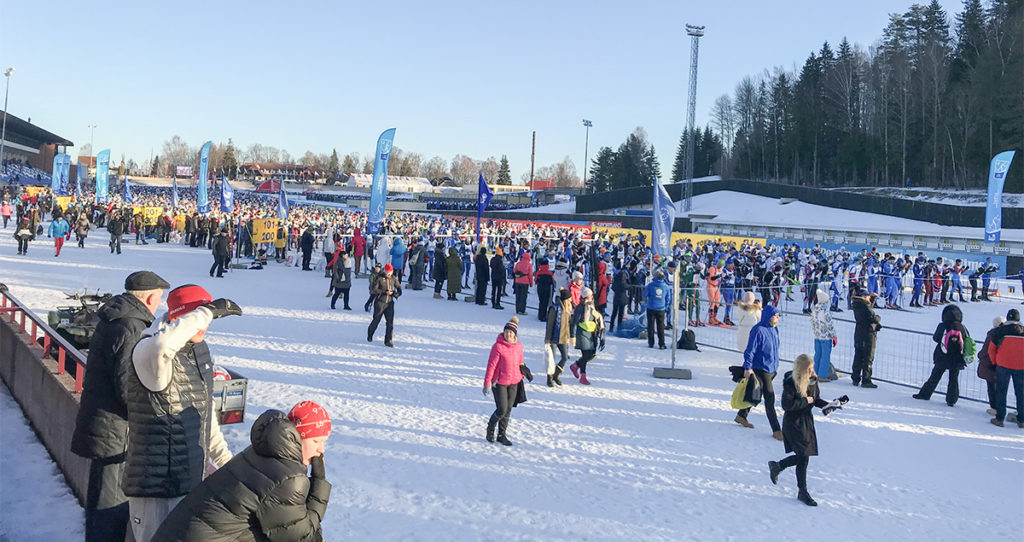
505	370
358	248
523	272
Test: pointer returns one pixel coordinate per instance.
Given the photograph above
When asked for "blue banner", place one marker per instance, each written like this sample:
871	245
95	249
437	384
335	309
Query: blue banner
203	200
80	172
379	188
102	174
227	196
59	179
484	195
994	206
663	218
128	191
282	206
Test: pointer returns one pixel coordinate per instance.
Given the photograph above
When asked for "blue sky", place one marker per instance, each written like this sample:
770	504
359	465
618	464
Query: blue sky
472	78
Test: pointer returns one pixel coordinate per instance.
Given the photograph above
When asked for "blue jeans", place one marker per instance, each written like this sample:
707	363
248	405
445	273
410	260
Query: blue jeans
1003	376
822	357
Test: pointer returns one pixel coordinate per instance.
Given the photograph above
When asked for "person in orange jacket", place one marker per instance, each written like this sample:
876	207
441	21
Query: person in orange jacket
604	280
714	295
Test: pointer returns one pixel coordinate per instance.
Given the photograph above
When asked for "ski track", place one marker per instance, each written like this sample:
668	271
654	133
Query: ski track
628	458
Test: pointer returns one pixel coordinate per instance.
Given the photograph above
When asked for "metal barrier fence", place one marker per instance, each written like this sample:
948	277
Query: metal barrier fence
69	359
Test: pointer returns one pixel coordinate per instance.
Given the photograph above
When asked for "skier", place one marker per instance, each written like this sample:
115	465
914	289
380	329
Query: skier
918	271
505	371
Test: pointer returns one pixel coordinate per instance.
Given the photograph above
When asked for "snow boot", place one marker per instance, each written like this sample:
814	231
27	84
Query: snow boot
551	381
575	370
437	295
558	371
868	384
490	432
773	471
805	498
504	440
923	398
743	421
583	379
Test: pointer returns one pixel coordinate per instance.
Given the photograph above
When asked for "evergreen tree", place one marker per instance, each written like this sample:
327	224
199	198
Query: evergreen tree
602	171
229	161
333	166
504	173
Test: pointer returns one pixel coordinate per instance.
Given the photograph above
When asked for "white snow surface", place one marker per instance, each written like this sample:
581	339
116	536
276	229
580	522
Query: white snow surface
627	458
969	198
741	208
35	502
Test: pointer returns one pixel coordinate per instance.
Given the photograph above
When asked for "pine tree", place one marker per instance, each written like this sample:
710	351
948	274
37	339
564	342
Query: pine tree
504	173
601	171
229	161
679	166
333	166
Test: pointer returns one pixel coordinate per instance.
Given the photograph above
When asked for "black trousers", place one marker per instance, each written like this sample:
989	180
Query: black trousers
504	398
585	357
800	462
768	399
481	292
306	256
369	301
106	507
23	244
952	387
496	288
340	292
655	323
863	357
6	218
388	312
521	291
438	285
543	299
218	265
618	311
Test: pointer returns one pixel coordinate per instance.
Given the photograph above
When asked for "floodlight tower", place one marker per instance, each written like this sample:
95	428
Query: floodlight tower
695	33
586	149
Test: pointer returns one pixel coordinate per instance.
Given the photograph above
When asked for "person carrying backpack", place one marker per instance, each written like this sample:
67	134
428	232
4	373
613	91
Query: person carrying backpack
951	339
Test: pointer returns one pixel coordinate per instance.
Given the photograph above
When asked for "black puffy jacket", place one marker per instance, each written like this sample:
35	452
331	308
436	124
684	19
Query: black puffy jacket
101	429
263	493
953	357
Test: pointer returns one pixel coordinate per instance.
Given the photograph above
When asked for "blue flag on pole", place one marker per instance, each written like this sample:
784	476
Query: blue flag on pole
282	206
379	187
60	174
102	175
128	191
663	217
174	192
994	206
202	199
80	172
227	196
484	195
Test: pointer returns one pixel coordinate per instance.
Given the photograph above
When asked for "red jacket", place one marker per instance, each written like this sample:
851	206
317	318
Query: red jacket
603	282
523	270
1010	354
574	289
503	363
358	243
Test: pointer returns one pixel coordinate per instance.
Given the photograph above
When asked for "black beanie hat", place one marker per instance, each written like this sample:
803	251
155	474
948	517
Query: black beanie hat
564	294
1013	315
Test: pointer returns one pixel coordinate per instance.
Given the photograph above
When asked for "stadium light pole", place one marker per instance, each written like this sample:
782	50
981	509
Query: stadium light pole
3	131
586	149
92	132
695	32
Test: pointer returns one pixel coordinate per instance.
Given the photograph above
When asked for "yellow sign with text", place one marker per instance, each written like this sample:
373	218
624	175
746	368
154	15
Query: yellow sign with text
264	230
695	238
63	202
150	215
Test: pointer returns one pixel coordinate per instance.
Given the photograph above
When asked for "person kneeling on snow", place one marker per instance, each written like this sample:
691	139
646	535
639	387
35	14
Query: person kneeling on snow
263	493
173	435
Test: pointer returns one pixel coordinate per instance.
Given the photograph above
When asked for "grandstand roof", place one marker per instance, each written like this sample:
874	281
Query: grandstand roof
25	129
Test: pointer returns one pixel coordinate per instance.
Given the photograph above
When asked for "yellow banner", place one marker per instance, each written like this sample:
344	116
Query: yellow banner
695	238
34	190
63	202
264	230
149	214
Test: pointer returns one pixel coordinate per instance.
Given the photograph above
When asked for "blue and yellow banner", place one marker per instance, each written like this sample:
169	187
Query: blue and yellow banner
379	187
203	199
994	205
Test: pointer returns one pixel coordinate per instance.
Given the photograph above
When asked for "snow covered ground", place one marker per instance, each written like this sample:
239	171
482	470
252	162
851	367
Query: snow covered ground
741	208
969	198
35	502
629	457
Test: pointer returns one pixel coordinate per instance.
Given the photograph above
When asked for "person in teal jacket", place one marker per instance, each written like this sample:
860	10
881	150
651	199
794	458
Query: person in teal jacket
59	229
398	251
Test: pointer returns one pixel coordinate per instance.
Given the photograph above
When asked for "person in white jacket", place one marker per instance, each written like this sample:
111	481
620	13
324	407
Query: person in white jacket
825	337
748	314
382	254
174	439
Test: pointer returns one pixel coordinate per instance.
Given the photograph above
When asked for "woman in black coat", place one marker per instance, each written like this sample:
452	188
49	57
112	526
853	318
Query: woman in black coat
263	493
498	275
949	337
483	275
868	325
799	395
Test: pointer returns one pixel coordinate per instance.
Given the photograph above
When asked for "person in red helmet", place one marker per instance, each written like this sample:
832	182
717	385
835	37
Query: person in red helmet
263	493
173	436
385	290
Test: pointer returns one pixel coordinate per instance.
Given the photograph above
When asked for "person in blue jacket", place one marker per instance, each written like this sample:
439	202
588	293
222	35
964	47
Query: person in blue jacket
398	258
658	298
918	270
761	360
59	229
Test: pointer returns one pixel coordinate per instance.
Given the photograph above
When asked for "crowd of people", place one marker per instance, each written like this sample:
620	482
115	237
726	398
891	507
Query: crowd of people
574	274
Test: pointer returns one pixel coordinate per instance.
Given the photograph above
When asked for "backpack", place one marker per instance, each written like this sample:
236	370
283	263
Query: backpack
687	341
970	350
